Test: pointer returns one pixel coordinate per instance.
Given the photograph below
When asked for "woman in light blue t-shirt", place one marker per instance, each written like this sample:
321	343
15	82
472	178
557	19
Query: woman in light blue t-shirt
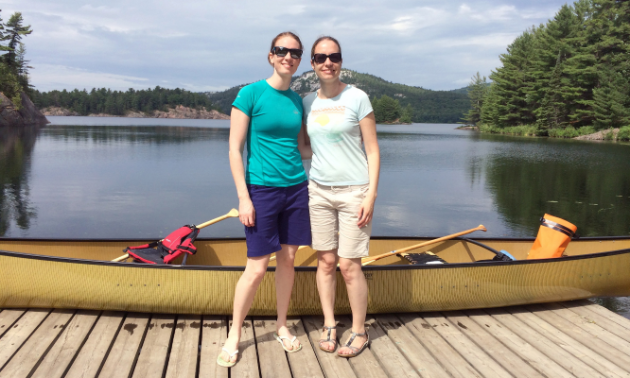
342	189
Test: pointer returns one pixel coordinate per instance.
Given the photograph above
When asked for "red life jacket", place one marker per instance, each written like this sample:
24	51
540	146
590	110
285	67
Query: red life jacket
166	250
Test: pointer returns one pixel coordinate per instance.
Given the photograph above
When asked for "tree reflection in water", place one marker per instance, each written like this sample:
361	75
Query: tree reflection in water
16	147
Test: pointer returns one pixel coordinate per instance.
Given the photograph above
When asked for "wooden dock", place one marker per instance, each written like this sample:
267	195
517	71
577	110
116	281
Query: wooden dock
572	339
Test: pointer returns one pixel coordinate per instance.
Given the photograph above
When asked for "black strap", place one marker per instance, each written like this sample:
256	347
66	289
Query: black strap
557	227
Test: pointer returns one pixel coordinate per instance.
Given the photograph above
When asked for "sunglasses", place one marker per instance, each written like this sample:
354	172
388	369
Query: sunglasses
283	51
321	58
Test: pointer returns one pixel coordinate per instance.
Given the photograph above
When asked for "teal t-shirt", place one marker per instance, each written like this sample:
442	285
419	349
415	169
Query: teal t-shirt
275	117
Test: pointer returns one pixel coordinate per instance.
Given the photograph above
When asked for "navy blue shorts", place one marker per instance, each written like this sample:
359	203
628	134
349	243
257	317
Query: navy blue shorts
282	217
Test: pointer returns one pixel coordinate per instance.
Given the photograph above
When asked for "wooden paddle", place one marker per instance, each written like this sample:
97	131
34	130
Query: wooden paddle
368	260
233	213
300	247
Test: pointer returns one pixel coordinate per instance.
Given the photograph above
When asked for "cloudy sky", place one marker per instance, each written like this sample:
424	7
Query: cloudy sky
213	45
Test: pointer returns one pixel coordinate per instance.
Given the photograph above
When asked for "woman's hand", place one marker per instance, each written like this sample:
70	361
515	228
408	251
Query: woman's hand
246	212
366	210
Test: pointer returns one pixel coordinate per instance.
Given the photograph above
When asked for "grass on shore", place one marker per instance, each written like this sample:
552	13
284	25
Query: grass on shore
568	132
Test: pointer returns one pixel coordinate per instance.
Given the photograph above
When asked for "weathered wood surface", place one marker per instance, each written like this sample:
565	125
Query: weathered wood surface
574	339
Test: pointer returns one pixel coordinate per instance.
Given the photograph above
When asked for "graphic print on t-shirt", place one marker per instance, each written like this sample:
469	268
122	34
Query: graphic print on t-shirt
328	118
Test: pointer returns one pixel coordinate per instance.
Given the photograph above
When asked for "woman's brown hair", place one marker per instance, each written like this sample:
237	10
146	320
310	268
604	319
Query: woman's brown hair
324	38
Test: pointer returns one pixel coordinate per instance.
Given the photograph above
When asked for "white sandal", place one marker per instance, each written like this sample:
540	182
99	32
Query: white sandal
228	363
292	340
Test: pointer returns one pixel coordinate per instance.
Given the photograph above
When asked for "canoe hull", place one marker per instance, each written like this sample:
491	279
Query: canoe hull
52	282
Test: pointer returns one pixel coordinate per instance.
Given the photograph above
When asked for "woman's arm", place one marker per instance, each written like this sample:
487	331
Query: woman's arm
304	144
239	124
368	132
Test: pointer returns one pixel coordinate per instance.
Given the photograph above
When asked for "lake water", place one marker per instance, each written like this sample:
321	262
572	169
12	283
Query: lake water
89	177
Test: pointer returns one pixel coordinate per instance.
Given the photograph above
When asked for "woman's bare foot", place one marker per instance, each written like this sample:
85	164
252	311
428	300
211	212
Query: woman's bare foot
358	342
230	344
323	340
284	331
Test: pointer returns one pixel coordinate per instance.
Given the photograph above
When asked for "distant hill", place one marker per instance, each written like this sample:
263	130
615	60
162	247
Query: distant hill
429	106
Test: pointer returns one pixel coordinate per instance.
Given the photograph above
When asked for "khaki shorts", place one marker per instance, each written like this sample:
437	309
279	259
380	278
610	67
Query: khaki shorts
334	209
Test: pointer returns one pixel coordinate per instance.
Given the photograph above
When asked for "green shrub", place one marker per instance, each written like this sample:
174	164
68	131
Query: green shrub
609	135
624	133
585	130
568	132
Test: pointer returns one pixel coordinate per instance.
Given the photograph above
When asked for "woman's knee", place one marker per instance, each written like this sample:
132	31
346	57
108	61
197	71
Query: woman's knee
327	262
350	270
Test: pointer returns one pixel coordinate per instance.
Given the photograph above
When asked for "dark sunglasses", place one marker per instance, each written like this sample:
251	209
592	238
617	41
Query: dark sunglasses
283	51
321	58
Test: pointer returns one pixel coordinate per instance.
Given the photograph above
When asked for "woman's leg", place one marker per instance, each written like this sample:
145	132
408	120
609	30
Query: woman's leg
326	286
243	298
285	274
357	294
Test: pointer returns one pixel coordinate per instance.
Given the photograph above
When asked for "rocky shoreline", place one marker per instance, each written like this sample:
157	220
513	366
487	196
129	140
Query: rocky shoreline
179	112
600	135
27	115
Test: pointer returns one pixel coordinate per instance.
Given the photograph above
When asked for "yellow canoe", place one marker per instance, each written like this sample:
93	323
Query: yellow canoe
79	274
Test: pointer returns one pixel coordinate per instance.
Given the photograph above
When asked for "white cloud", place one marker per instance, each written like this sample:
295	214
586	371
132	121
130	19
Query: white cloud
211	44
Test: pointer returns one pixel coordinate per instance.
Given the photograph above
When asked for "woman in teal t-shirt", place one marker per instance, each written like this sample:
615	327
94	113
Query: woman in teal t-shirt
272	189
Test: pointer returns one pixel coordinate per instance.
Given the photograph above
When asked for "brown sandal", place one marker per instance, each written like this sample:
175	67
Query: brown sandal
355	350
328	340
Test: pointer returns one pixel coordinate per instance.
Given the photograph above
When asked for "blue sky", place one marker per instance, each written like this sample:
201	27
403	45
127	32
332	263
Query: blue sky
214	45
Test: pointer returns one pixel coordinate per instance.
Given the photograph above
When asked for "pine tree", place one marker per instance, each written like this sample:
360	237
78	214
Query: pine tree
476	92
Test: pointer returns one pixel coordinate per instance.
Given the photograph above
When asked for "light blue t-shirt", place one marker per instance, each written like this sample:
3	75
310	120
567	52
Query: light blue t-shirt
333	127
275	117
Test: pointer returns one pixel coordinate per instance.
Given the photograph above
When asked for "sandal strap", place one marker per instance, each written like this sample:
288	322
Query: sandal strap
329	331
353	335
228	352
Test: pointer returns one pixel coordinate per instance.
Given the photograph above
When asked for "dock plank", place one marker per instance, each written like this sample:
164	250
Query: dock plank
563	358
67	346
185	347
332	366
91	356
8	317
389	356
125	349
596	344
247	362
604	312
365	364
415	352
272	358
152	360
303	364
475	356
493	347
449	358
35	348
21	330
596	318
528	353
572	346
214	333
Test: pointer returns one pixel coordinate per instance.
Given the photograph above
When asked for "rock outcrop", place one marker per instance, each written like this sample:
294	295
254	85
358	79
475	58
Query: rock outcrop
28	115
600	135
180	112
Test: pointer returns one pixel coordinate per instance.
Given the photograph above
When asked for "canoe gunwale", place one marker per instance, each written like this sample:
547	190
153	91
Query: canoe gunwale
136	240
312	268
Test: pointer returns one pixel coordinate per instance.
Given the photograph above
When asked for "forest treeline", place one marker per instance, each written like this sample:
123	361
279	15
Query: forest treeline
13	64
119	103
568	77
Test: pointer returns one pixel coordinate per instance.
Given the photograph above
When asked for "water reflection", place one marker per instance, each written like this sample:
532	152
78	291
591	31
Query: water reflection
16	147
586	184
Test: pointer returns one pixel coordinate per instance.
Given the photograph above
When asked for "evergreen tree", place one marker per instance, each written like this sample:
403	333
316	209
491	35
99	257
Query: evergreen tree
15	30
407	114
387	110
477	92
